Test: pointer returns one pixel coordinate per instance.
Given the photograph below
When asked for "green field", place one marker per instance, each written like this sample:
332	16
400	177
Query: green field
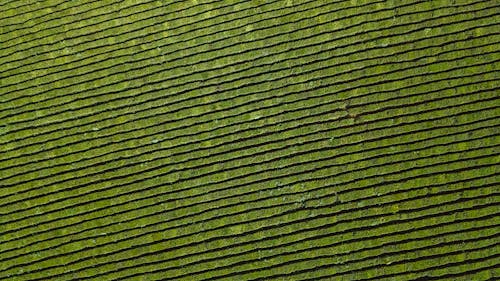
249	140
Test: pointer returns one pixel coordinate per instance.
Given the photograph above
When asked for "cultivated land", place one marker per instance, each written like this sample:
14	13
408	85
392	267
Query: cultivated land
249	140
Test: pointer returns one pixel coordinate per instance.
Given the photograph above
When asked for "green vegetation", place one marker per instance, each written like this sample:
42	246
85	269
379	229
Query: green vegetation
249	140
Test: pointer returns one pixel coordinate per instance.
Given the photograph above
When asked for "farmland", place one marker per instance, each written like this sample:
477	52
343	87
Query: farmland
249	140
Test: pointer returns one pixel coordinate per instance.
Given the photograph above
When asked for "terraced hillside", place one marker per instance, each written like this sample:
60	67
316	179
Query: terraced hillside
249	140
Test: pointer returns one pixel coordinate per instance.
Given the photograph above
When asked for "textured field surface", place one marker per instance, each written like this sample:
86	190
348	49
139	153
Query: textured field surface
249	140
